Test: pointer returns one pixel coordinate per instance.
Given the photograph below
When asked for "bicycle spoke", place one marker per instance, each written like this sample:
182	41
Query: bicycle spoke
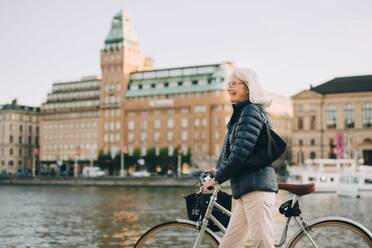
333	234
175	235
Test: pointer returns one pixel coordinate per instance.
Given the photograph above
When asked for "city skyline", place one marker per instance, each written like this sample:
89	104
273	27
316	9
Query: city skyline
291	49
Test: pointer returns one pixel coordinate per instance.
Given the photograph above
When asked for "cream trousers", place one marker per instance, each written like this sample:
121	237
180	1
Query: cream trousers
251	223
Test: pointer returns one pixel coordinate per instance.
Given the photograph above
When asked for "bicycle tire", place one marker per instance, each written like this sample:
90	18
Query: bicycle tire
336	232
168	239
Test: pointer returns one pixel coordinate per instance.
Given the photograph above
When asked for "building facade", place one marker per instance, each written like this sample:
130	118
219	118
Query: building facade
134	106
334	120
19	136
69	122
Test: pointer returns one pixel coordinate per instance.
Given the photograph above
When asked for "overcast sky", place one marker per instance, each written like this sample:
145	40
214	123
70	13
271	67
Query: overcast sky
290	44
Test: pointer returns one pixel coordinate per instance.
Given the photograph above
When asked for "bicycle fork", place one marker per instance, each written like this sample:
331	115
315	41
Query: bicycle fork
208	213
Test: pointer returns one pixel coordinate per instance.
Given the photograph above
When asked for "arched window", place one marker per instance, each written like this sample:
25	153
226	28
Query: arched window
331	114
349	117
367	114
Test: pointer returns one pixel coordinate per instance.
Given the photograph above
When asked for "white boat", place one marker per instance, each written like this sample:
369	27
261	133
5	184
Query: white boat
348	185
353	183
327	174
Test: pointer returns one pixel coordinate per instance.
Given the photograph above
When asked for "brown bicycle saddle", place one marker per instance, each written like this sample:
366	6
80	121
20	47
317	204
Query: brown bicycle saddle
297	189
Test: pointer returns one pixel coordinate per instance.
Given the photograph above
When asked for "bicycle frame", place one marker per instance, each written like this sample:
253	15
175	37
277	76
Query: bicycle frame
213	203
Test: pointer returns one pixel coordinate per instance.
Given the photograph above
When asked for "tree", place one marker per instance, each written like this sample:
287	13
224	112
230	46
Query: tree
164	160
105	162
151	160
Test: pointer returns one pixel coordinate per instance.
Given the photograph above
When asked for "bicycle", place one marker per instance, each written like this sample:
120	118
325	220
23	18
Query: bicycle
332	231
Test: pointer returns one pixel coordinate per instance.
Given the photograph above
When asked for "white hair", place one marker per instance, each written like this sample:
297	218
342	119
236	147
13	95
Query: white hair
249	77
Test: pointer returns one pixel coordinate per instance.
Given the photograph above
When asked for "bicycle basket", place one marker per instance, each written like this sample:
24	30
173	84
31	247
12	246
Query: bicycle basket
197	205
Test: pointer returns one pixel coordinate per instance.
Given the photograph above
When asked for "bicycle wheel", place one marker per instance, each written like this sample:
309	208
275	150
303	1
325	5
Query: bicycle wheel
338	232
176	235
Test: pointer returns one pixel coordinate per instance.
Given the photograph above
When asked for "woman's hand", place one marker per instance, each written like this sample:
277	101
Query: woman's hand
209	184
213	170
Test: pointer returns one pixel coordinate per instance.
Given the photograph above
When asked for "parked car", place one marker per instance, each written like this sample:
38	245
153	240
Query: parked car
141	173
92	172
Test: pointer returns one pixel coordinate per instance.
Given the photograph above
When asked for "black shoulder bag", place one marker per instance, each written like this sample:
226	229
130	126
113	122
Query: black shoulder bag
269	147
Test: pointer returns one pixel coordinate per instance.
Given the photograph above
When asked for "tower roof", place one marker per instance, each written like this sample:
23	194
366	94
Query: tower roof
121	29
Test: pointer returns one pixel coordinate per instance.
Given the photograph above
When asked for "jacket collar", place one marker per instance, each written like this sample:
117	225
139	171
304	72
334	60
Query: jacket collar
239	106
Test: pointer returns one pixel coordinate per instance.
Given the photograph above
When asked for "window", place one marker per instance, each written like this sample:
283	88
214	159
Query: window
312	142
144	125
184	135
156	137
180	83
300	142
349	116
170	123
367	114
196	122
131	125
11	139
331	116
204	122
312	122
300	123
118	125
170	136
11	151
20	128
194	82
184	123
131	137
143	137
20	139
157	124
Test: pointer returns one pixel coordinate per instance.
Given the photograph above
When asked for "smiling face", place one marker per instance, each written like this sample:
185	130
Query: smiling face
237	90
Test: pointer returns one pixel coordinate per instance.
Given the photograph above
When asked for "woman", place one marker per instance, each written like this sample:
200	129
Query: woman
254	190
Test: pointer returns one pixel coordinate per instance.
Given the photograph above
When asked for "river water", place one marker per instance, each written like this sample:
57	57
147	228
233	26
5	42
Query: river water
56	216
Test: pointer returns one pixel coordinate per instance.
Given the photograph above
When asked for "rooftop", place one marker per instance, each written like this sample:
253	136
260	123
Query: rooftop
345	85
14	106
178	80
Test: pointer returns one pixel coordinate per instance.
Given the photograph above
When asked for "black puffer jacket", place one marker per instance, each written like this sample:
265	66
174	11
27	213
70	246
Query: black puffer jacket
243	135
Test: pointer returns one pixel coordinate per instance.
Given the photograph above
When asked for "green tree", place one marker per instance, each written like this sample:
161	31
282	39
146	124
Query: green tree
105	161
151	160
164	160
